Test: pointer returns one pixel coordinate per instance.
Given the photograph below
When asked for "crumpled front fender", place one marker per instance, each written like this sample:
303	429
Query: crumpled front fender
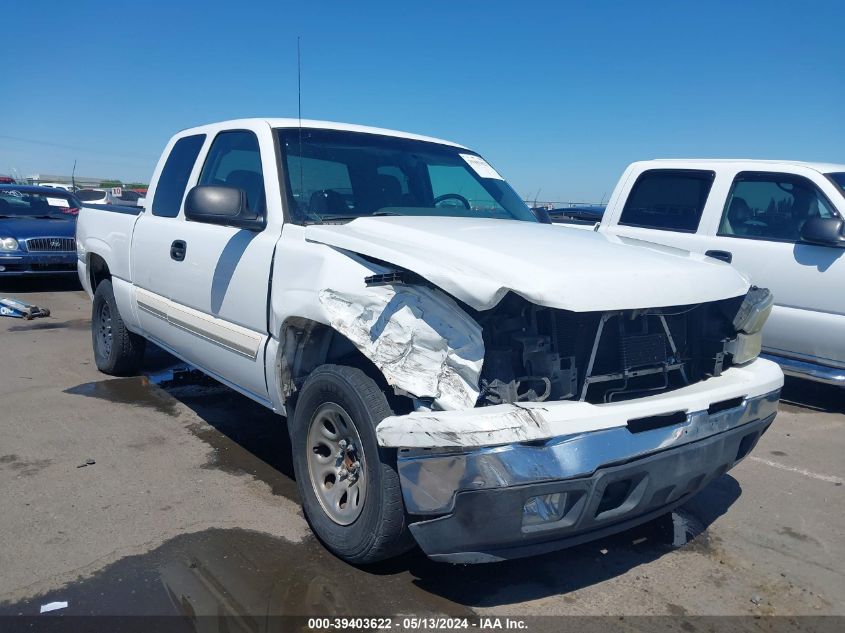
418	337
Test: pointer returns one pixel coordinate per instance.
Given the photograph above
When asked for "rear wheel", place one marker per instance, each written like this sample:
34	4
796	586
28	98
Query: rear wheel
117	351
348	484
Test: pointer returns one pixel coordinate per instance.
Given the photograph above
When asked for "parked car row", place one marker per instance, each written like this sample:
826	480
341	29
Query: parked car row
38	225
116	195
91	195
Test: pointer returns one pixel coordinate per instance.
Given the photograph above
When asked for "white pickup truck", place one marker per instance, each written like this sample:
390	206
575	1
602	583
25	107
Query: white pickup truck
454	372
779	222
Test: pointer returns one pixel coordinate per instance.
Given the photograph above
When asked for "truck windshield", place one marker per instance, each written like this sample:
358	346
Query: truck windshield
26	204
334	175
839	180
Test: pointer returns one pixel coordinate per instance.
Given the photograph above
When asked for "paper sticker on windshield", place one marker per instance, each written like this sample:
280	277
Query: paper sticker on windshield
58	202
481	167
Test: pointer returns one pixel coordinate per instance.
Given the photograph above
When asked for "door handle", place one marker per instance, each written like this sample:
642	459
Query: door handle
178	249
725	256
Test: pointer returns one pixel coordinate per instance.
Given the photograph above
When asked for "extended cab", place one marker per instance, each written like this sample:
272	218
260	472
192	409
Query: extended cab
779	222
453	372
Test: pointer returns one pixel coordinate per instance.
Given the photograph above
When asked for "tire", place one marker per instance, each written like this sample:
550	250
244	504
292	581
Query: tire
372	526
117	351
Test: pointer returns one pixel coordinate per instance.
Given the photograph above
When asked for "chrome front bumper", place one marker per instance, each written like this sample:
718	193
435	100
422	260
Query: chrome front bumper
471	506
431	478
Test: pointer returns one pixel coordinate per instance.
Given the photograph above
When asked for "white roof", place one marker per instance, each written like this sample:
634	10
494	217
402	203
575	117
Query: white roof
824	168
326	125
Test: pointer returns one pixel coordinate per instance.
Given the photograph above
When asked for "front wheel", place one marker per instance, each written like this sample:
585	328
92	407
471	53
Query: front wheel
117	351
348	484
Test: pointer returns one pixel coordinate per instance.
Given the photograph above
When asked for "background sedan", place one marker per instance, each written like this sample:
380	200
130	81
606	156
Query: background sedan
37	230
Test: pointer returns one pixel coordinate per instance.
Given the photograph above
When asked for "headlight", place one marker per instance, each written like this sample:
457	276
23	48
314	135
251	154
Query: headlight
745	347
748	322
754	310
8	244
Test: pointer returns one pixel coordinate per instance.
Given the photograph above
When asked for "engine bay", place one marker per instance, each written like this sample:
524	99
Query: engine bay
537	354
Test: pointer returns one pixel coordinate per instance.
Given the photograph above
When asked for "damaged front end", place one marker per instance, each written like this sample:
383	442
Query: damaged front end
534	428
446	356
536	354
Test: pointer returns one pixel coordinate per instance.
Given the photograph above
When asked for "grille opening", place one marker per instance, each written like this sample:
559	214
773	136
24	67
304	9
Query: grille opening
724	405
535	353
745	445
39	244
651	422
614	496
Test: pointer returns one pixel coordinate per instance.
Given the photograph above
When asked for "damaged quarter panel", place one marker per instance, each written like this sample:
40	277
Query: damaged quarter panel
418	337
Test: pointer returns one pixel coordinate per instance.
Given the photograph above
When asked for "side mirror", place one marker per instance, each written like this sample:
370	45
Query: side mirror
215	204
824	231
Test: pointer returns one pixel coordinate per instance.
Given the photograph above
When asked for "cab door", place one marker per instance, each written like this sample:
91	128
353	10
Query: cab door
760	226
152	268
210	282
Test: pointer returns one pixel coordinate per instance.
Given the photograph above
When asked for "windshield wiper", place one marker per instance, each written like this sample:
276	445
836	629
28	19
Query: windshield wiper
331	218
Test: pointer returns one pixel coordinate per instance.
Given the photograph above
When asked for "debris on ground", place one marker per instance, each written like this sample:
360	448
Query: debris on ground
53	606
20	310
87	462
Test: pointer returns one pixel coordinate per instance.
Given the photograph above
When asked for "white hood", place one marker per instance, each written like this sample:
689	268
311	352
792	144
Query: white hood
478	261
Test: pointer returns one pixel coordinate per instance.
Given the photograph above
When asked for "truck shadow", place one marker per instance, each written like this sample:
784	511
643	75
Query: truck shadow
589	564
806	394
24	285
248	439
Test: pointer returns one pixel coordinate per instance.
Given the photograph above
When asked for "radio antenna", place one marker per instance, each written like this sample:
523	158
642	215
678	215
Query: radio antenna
299	108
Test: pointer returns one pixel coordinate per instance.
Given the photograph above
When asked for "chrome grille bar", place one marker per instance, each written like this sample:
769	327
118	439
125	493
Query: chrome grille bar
51	244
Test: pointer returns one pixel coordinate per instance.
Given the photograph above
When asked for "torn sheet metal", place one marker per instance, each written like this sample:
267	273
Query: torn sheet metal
20	310
420	339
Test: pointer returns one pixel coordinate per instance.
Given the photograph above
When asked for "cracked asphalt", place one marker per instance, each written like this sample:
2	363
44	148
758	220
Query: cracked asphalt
190	506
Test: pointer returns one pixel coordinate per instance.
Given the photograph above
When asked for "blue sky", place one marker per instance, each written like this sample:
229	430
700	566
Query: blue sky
558	96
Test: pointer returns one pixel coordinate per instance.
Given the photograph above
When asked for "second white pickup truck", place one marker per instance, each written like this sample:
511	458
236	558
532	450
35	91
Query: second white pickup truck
454	373
779	222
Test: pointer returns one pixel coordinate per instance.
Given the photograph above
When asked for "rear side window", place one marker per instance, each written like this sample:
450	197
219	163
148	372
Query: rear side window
668	199
174	177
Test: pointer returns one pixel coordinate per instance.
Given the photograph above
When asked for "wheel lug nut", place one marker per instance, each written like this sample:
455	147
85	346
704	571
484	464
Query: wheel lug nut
342	443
